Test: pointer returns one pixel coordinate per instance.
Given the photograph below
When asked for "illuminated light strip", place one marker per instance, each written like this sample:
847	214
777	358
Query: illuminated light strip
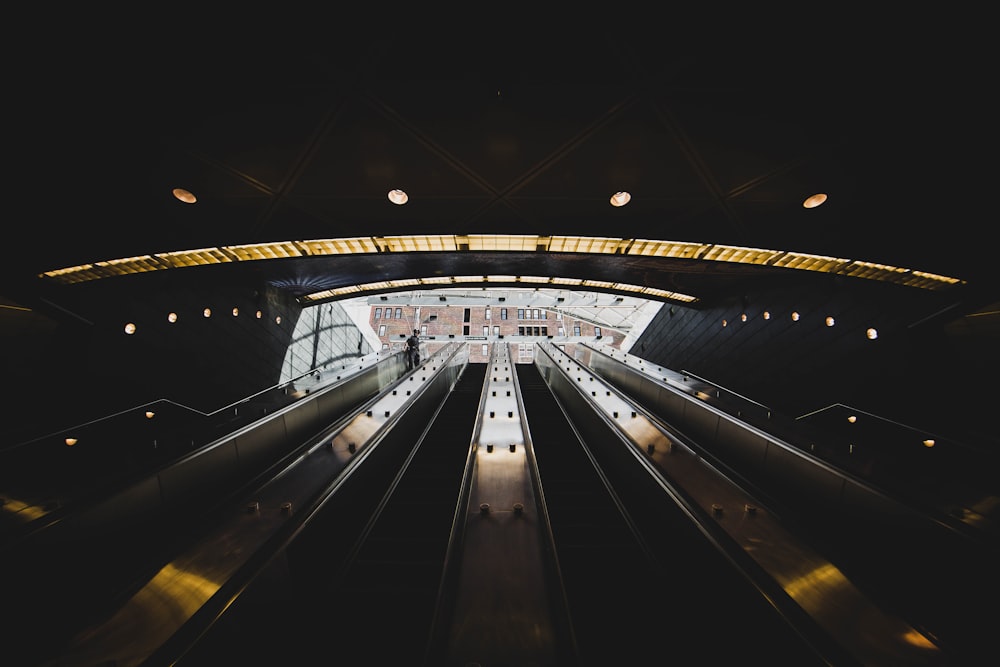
396	285
501	243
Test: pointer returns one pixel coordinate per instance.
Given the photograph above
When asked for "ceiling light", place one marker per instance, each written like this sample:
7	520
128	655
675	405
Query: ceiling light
183	195
150	414
207	312
872	333
830	321
130	328
814	201
71	441
398	197
795	317
620	199
171	317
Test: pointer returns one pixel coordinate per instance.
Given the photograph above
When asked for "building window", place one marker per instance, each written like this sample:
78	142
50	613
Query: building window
486	349
558	314
423	330
562	331
496	331
465	330
388	313
399	313
503	313
381	330
545	331
378	313
576	330
537	316
488	313
486	330
467	315
597	331
520	313
520	331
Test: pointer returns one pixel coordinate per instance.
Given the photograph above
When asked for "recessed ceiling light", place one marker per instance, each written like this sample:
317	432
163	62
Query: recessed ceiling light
398	197
814	201
184	196
619	199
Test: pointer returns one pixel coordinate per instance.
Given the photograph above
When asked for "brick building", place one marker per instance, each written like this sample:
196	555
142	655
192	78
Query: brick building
481	326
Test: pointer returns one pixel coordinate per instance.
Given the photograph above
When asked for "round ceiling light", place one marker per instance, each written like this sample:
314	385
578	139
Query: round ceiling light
398	197
619	199
814	201
183	195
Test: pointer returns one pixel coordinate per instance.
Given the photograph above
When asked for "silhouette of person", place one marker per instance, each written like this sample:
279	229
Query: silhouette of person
413	351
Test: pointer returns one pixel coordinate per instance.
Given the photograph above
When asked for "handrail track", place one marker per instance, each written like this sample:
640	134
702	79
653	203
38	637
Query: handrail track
642	581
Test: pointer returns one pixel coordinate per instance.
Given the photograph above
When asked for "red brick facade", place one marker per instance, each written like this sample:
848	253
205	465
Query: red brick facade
479	325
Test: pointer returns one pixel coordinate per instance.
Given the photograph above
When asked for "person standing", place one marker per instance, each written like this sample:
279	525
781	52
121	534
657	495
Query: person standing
413	351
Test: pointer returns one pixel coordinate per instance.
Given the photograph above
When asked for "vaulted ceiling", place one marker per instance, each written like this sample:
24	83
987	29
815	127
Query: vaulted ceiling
291	135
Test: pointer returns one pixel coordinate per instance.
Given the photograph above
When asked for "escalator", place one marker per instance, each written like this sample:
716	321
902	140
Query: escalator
361	588
642	582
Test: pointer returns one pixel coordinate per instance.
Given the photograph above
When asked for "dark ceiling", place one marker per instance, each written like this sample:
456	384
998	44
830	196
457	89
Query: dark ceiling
297	128
283	135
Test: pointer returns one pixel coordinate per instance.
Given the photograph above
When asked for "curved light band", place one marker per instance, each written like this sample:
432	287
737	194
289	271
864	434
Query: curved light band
501	243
